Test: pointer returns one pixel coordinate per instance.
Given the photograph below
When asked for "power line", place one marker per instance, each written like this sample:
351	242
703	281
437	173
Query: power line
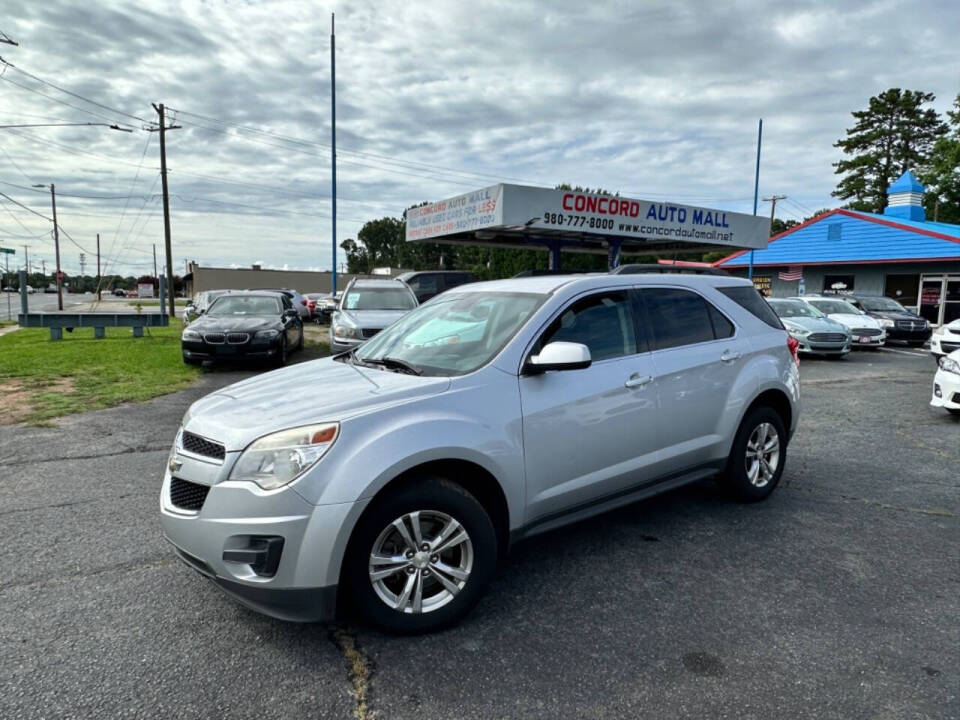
85	197
62	102
71	93
17	202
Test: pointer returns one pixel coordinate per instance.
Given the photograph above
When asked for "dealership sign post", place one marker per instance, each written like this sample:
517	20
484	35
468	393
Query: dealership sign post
517	216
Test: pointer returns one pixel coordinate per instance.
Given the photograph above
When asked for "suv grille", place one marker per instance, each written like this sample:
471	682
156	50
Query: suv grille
201	446
370	332
910	324
237	338
865	332
214	338
187	495
949	347
827	337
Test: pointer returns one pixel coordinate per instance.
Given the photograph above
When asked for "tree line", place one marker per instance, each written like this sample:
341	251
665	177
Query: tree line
896	132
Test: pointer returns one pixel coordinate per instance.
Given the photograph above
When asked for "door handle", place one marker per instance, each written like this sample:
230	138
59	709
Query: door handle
729	356
636	380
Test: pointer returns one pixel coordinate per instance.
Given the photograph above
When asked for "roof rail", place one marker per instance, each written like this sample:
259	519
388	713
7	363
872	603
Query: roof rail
540	273
663	269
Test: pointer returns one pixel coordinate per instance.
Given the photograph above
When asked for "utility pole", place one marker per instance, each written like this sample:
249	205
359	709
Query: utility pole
26	255
83	264
756	187
773	207
99	279
56	245
43	265
155	261
166	198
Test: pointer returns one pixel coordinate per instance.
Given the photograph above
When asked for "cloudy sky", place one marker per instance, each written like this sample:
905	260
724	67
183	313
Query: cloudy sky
658	100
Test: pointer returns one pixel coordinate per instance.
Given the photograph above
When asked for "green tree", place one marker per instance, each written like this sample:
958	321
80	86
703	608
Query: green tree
942	179
894	134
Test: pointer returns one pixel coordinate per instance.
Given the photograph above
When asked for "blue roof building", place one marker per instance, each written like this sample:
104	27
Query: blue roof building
898	254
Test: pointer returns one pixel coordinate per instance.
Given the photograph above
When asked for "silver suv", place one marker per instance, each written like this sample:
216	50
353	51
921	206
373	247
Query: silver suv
366	308
398	474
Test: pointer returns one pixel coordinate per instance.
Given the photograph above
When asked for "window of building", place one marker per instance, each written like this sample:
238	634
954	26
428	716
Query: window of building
903	288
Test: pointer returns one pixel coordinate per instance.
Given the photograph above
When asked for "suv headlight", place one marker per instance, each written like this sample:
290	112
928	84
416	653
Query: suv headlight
798	331
949	365
346	331
886	322
278	459
189	334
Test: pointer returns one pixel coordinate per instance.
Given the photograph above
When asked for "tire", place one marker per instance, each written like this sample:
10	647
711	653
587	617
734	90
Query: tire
281	358
434	502
299	346
737	478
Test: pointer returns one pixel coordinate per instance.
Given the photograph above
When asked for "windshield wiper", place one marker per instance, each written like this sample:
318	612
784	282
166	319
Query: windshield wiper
395	364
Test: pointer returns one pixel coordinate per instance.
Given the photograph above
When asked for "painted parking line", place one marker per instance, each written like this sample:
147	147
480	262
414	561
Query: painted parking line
905	352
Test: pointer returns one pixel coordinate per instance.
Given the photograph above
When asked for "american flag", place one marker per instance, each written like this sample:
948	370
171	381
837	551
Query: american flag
792	273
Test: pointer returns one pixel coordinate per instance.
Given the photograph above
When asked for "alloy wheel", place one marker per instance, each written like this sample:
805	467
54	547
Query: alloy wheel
762	455
421	561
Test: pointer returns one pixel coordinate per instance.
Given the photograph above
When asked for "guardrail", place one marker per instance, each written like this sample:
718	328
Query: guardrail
99	321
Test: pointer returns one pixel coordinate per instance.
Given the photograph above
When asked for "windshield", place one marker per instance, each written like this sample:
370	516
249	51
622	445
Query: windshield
882	304
245	305
793	308
379	298
832	307
455	334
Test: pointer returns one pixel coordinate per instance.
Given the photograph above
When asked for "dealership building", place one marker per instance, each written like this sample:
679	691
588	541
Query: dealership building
899	254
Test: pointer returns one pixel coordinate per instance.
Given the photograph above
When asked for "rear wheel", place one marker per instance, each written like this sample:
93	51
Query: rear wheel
421	558
758	455
300	341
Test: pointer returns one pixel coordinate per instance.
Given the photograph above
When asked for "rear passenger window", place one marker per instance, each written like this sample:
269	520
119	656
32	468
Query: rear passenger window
748	298
722	328
680	317
603	322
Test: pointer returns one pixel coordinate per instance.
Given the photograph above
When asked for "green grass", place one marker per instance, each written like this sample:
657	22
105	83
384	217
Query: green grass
42	379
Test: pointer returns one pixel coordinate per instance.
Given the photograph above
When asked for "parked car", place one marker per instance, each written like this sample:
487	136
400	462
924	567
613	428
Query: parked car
118	292
366	308
946	384
814	331
399	474
898	322
244	325
865	331
298	300
329	305
945	339
312	300
430	283
201	303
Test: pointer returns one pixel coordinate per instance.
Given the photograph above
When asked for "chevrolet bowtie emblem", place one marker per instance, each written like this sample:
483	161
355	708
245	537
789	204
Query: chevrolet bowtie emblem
174	464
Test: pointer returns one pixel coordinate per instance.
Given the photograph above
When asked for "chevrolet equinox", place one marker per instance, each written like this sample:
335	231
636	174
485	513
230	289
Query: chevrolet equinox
396	475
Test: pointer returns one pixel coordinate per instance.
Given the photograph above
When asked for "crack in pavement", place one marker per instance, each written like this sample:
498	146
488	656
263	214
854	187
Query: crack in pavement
936	512
70	503
149	562
34	461
358	668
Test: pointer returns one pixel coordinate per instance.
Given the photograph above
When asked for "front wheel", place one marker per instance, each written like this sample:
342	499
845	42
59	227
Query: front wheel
281	356
421	557
758	455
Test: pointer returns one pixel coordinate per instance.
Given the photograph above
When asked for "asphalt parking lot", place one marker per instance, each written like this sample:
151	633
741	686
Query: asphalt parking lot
836	598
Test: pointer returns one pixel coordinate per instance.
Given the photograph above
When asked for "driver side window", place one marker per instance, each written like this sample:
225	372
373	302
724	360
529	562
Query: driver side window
603	322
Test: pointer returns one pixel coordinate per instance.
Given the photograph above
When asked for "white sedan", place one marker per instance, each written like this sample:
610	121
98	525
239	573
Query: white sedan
946	384
865	331
945	340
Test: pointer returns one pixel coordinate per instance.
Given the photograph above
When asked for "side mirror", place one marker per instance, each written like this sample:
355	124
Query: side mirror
560	356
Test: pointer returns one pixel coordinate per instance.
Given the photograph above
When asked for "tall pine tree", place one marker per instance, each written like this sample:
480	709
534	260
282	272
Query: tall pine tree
894	134
943	176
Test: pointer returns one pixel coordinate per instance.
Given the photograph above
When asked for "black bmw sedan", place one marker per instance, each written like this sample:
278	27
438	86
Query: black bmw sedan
244	325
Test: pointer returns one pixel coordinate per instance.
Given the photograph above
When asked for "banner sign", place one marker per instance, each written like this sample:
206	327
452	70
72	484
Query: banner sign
513	208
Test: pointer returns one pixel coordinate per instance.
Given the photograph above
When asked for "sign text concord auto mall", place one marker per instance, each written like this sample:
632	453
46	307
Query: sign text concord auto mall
516	215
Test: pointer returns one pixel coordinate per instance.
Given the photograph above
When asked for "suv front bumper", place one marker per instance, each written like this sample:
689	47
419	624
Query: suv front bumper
303	587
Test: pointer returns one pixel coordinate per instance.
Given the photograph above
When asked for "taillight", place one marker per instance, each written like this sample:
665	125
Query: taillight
303	302
793	345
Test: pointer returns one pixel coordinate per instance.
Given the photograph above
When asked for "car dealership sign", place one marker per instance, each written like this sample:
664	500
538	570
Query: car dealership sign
512	208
